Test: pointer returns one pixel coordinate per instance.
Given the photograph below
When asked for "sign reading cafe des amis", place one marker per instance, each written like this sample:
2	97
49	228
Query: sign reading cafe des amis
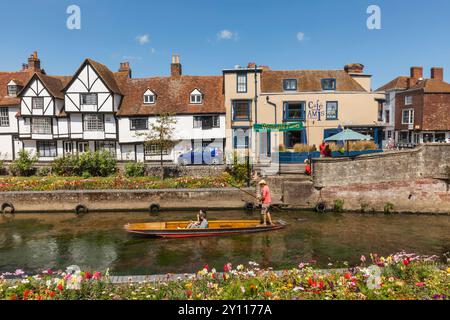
284	127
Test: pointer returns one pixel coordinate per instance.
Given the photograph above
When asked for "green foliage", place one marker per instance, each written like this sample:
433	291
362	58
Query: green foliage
24	164
240	169
338	205
43	172
388	207
135	169
89	164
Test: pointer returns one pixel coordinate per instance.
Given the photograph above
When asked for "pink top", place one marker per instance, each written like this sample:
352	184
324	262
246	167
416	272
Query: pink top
266	199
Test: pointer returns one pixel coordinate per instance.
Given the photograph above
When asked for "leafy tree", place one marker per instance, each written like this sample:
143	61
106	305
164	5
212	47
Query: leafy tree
161	134
24	164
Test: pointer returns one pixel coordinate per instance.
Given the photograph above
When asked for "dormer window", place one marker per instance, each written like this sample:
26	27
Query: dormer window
196	97
149	97
328	84
290	84
13	89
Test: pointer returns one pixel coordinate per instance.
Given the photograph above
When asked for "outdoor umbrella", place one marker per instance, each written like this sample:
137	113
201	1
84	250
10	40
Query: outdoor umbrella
348	135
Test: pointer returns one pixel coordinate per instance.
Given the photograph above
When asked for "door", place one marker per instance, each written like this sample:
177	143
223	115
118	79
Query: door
18	145
68	147
83	147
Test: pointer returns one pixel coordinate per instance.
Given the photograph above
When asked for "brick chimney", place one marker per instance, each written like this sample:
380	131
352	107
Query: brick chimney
34	64
437	73
175	67
354	68
251	65
416	73
125	68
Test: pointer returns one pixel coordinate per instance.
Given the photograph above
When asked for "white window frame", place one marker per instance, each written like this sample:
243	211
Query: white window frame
4	117
41	126
149	98
408	100
94	122
133	125
410	116
151	150
13	90
35	105
196	97
241	83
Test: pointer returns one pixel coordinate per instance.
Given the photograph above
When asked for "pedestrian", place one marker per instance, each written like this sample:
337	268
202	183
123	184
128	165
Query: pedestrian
266	201
308	170
322	147
327	152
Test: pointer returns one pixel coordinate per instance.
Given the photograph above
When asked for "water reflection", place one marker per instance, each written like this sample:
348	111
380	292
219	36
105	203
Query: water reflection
36	242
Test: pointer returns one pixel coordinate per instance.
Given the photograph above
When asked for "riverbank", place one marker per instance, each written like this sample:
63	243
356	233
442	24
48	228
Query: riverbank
397	277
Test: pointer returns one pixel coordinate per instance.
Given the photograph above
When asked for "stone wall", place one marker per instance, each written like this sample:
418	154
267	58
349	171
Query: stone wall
427	161
127	200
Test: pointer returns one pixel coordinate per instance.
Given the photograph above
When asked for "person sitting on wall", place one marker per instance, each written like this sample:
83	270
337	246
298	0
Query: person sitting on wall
308	170
322	147
201	223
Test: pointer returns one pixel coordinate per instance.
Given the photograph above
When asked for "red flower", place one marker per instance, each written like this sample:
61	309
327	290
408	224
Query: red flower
321	284
407	261
206	267
13	297
420	284
97	275
227	267
52	294
87	275
26	293
347	275
268	294
60	287
189	293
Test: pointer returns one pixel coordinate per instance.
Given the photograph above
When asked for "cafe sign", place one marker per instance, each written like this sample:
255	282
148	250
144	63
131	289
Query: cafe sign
284	127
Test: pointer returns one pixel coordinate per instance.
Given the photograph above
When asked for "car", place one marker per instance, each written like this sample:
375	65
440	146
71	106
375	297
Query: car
207	155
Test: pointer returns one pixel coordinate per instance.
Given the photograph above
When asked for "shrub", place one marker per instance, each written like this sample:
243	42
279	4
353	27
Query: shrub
281	148
89	164
24	164
135	169
338	205
388	207
43	172
304	148
239	170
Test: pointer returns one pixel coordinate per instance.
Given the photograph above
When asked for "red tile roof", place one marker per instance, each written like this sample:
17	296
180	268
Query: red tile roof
399	83
308	80
20	77
426	85
172	95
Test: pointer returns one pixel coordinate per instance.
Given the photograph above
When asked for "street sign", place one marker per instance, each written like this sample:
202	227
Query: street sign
284	127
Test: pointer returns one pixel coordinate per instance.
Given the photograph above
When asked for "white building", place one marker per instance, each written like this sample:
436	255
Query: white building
96	109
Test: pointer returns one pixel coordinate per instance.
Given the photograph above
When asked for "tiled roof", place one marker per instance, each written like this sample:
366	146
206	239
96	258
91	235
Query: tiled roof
309	80
432	86
172	95
21	77
399	83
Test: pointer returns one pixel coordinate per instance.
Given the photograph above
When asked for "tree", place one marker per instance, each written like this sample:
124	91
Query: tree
161	134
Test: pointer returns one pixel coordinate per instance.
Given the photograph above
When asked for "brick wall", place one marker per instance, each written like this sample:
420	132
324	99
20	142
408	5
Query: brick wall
417	105
436	112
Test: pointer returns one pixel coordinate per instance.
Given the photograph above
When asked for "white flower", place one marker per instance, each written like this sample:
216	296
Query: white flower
298	289
25	281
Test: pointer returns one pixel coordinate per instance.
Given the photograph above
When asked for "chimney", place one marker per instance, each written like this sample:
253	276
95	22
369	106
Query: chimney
125	67
417	73
175	67
34	64
437	73
251	65
354	68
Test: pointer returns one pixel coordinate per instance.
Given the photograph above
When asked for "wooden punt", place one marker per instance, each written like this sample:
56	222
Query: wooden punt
177	229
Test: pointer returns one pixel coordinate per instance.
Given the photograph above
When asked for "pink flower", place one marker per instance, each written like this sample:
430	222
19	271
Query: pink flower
363	258
227	267
97	275
420	284
206	267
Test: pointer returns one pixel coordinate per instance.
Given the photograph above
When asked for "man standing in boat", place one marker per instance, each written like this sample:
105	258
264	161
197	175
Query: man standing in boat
266	201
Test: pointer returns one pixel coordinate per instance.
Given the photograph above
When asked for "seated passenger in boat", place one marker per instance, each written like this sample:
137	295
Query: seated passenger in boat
201	223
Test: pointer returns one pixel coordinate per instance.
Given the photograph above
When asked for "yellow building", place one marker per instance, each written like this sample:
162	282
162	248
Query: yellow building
324	101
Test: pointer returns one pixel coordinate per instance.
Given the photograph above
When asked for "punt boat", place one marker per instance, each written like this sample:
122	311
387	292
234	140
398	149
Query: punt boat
177	229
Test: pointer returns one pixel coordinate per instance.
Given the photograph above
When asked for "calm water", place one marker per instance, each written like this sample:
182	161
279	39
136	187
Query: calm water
35	242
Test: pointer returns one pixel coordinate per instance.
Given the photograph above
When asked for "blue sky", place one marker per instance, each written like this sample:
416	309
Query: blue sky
214	34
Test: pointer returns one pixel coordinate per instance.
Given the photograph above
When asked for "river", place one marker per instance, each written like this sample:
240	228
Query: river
97	241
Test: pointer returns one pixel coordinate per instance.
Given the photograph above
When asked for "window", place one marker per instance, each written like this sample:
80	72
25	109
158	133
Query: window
149	97
196	97
93	122
408	100
41	126
332	110
13	90
292	138
206	122
290	84
294	111
439	137
46	149
106	146
328	84
241	138
242	82
4	117
89	99
139	124
408	116
38	103
241	110
403	137
387	116
154	150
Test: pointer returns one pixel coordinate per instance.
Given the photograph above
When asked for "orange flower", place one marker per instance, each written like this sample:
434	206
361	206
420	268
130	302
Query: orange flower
268	294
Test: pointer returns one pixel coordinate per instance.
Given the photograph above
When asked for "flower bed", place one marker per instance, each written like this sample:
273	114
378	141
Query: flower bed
400	276
53	183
